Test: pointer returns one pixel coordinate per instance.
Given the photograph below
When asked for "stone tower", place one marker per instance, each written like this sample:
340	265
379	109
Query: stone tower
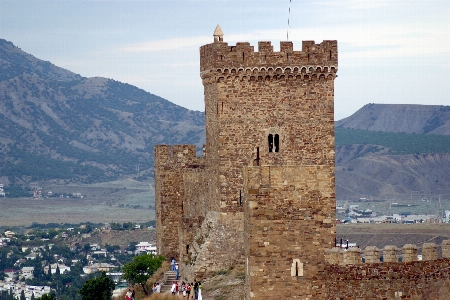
263	195
270	133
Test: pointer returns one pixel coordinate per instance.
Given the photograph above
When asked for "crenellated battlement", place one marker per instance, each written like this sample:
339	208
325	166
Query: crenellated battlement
220	59
172	153
371	254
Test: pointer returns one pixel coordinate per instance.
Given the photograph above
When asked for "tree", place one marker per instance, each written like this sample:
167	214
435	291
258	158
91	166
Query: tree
99	288
50	296
142	268
22	295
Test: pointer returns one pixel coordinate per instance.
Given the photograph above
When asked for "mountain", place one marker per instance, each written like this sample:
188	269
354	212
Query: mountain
57	124
407	118
386	150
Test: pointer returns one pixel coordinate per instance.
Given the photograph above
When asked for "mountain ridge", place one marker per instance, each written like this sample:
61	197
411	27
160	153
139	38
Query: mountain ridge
58	124
407	118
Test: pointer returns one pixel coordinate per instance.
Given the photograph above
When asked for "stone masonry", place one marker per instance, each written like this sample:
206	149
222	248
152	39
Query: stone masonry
268	113
263	194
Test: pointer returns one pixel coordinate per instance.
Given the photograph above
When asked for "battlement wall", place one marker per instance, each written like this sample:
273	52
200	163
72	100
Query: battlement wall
390	254
218	57
348	278
171	163
174	153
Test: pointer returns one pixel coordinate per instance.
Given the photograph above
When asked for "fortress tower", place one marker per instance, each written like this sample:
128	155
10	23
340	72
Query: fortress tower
264	194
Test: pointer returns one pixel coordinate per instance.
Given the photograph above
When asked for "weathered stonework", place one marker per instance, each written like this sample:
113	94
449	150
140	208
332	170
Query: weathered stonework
263	194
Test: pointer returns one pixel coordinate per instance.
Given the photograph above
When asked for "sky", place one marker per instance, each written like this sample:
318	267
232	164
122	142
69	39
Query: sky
389	51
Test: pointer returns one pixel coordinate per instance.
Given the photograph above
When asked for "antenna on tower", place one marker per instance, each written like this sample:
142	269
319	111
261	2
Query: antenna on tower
289	18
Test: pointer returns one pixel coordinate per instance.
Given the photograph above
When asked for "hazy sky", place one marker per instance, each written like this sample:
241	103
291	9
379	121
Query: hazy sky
389	51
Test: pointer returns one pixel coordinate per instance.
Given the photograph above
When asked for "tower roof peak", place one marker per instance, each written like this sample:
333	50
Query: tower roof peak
218	34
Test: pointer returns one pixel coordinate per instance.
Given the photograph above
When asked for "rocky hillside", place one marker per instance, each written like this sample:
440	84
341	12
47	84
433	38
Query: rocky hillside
407	118
385	150
57	124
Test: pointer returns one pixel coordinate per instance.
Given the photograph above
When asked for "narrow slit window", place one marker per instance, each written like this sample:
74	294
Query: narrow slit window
187	249
277	143
270	143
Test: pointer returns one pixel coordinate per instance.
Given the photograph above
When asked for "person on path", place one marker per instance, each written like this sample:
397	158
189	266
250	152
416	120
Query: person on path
133	294
188	290
183	289
200	291
174	287
173	264
177	269
128	295
158	287
195	289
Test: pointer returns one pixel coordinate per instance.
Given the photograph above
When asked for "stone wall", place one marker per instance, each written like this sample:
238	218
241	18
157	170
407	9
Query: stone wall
170	164
290	221
252	95
347	277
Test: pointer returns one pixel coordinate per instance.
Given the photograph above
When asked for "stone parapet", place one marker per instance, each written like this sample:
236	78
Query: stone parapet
371	254
429	251
409	253
221	56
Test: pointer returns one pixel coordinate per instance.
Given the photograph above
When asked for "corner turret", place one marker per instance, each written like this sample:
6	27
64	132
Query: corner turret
218	34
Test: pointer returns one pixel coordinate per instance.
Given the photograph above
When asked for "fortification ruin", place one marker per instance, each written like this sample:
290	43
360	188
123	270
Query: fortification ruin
263	193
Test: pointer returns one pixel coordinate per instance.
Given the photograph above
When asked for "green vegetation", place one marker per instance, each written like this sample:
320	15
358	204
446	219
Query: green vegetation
98	288
398	143
141	269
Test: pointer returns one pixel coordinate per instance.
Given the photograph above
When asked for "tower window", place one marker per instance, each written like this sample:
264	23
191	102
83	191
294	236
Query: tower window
277	142
274	143
270	143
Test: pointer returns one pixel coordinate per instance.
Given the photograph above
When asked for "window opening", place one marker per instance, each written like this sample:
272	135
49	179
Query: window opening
296	268
277	142
187	249
270	143
240	197
222	107
243	56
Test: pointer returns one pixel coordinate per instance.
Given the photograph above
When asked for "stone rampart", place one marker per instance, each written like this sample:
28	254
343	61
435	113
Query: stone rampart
171	162
220	57
371	254
402	277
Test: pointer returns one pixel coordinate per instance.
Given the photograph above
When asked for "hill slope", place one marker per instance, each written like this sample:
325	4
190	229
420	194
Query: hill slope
407	118
385	150
57	124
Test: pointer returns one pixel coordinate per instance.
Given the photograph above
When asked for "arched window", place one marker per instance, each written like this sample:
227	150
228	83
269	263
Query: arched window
270	143
277	143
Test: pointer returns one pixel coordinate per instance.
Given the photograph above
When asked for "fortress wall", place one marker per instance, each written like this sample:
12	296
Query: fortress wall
401	280
408	253
170	165
220	55
289	222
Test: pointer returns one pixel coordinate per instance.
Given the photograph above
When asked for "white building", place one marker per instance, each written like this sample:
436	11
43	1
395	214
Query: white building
447	216
147	247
